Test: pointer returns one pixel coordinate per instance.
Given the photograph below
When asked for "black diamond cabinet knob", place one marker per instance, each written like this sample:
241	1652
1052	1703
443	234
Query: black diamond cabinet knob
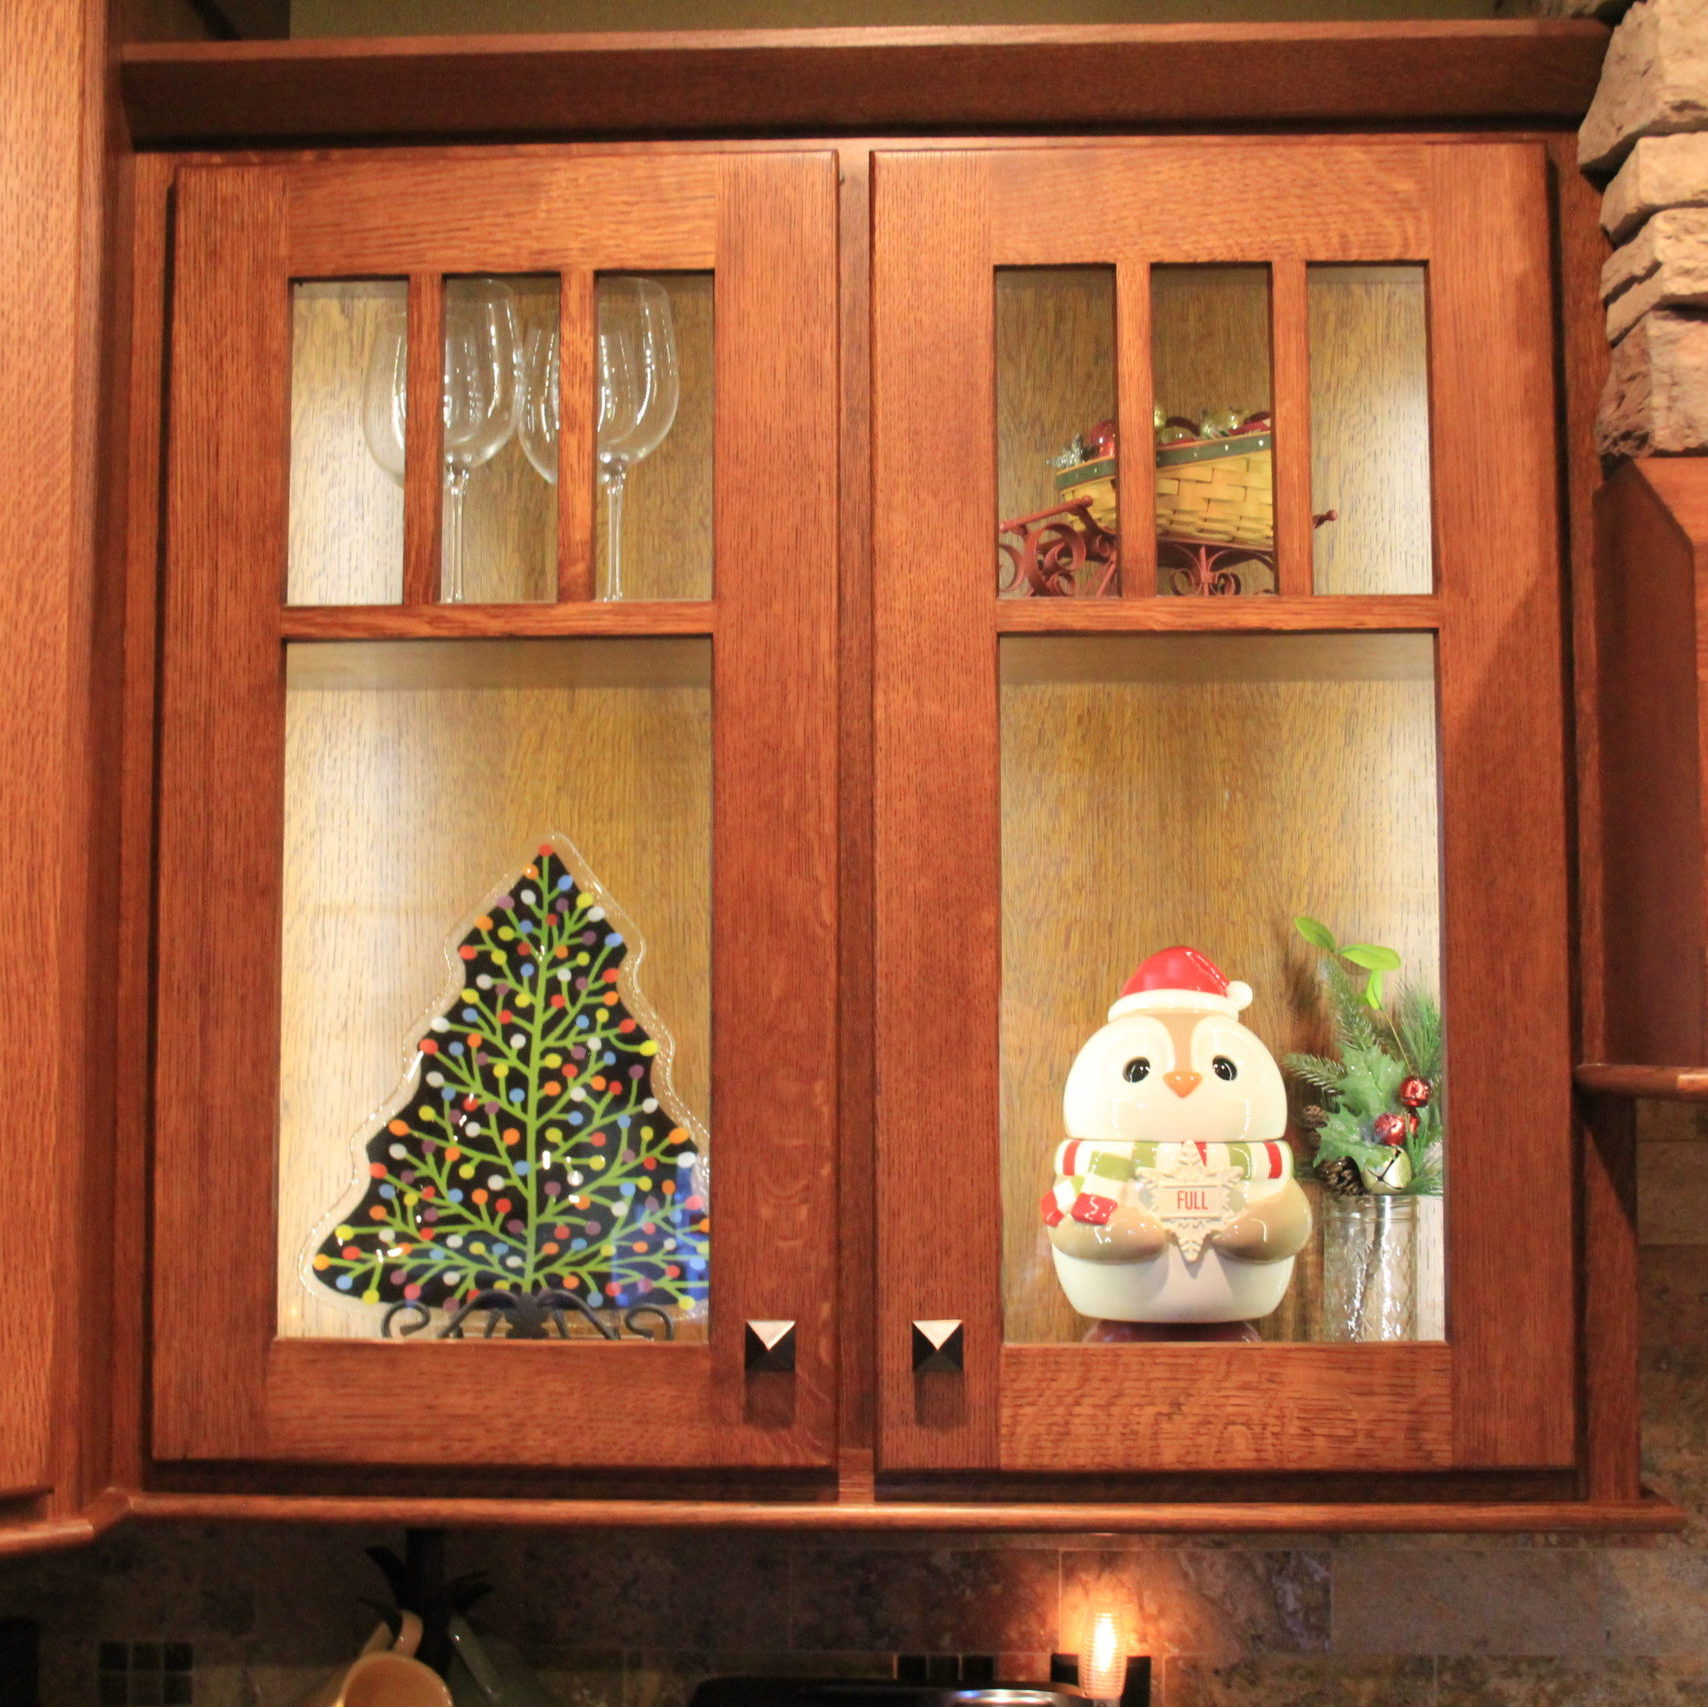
769	1347
937	1346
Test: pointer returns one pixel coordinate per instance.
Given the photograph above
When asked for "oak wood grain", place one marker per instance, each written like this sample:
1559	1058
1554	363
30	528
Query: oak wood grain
1502	775
1222	1407
856	1054
645	213
144	377
1611	1348
1290	341
364	754
658	1406
1346	614
1584	359
835	79
55	274
1135	415
423	442
221	790
937	832
577	371
1172	204
1651	610
774	909
1503	809
477	621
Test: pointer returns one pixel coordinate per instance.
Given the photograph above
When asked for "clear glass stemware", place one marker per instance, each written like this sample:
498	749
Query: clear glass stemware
638	388
478	402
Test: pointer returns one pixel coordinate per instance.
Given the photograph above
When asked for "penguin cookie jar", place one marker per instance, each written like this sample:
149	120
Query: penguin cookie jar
1174	1200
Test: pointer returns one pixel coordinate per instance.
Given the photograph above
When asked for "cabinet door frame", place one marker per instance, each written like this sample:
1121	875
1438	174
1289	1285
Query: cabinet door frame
1500	1393
224	1387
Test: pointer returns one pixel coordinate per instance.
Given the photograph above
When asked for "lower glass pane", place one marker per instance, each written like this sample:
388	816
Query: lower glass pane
494	1069
1192	1083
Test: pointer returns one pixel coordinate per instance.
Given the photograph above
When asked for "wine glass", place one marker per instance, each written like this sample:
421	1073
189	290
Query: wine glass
478	403
639	386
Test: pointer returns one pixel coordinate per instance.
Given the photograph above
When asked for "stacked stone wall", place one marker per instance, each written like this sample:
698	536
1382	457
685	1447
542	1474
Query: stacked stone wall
1645	139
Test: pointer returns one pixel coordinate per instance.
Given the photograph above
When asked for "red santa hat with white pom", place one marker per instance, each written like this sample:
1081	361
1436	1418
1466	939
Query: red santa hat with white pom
1180	980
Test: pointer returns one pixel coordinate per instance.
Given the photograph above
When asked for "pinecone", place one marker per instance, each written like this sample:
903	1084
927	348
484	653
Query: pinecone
1313	1117
1339	1175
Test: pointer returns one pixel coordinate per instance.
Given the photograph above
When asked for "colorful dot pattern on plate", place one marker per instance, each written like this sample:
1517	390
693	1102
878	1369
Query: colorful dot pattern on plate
532	1150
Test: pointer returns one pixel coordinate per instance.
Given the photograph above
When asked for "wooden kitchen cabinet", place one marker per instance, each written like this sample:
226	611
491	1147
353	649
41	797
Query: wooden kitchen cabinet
893	831
352	761
1066	785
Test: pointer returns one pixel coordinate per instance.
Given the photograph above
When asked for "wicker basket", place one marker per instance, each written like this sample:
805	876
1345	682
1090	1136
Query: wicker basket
1220	491
1208	491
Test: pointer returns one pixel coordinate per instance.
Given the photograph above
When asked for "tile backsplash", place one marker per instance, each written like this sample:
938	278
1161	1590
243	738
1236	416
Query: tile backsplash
253	1616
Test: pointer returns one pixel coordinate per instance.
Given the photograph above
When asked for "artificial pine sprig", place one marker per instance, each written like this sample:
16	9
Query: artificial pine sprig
1380	1104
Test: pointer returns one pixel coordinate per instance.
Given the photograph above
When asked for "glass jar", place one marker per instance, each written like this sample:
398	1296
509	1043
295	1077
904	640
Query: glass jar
1369	1268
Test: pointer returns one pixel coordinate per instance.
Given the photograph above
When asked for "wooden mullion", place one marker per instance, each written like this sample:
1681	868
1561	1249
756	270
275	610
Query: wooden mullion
575	332
1134	390
496	622
423	441
1290	354
1347	613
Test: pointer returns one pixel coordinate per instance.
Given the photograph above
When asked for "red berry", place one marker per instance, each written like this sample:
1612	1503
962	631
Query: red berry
1415	1093
1390	1129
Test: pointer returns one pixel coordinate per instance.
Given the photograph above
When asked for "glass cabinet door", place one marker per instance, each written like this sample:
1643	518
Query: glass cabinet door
1220	822
495	953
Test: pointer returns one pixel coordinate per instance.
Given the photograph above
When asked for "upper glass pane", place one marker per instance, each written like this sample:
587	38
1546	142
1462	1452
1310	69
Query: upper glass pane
1215	482
1207	1133
348	388
498	538
654	384
1369	355
1055	432
494	1068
